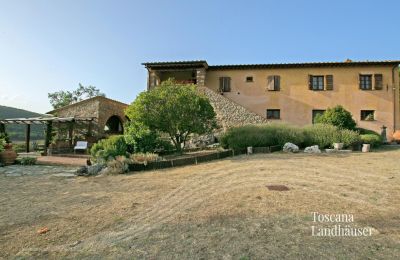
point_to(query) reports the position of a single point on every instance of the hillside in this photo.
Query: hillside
(17, 132)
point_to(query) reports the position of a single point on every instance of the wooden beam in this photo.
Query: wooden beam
(71, 133)
(49, 129)
(28, 137)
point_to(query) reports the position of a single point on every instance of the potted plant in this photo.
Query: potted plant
(7, 154)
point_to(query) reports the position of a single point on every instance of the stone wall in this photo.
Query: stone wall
(100, 108)
(229, 113)
(108, 108)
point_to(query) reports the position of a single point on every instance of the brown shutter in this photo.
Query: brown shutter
(310, 82)
(359, 81)
(277, 83)
(329, 82)
(221, 84)
(228, 84)
(270, 83)
(378, 81)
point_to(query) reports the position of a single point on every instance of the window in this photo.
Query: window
(367, 115)
(365, 82)
(315, 113)
(274, 83)
(224, 84)
(249, 79)
(273, 113)
(316, 82)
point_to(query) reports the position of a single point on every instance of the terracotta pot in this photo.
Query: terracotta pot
(7, 157)
(396, 136)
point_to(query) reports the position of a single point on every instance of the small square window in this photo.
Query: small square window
(315, 113)
(273, 114)
(249, 79)
(367, 115)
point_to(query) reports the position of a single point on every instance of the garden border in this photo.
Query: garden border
(133, 167)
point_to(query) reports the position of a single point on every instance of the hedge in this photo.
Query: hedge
(273, 135)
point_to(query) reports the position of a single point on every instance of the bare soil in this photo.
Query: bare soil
(217, 210)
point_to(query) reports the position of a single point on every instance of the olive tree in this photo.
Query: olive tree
(175, 109)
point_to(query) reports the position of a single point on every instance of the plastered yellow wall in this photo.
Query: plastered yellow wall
(296, 101)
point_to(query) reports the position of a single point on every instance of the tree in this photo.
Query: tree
(337, 116)
(63, 98)
(175, 109)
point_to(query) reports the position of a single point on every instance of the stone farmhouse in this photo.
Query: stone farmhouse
(292, 92)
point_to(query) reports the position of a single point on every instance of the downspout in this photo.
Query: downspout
(394, 87)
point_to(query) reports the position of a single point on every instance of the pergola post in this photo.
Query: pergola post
(71, 133)
(28, 137)
(2, 128)
(89, 129)
(49, 129)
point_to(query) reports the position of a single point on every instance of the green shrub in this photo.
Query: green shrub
(110, 147)
(349, 138)
(322, 135)
(364, 131)
(261, 136)
(2, 144)
(337, 116)
(325, 135)
(373, 139)
(27, 161)
(143, 140)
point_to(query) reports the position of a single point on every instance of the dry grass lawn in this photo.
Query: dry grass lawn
(217, 210)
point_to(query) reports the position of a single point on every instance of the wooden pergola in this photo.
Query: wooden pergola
(48, 121)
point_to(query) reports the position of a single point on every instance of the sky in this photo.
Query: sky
(52, 45)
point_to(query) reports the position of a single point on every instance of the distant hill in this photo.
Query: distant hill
(17, 132)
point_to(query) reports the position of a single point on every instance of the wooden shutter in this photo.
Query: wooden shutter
(270, 83)
(277, 83)
(227, 84)
(359, 81)
(329, 82)
(310, 82)
(221, 84)
(378, 81)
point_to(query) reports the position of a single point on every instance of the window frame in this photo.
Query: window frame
(363, 82)
(226, 84)
(321, 79)
(273, 111)
(314, 114)
(275, 81)
(249, 79)
(364, 114)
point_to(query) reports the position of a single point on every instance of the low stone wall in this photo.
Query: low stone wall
(229, 113)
